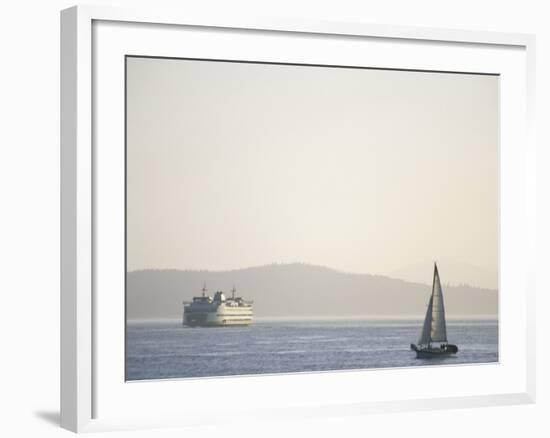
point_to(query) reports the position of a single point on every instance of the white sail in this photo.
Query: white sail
(439, 328)
(425, 336)
(434, 329)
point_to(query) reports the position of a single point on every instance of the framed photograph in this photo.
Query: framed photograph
(252, 208)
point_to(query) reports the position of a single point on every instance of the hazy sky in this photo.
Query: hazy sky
(233, 165)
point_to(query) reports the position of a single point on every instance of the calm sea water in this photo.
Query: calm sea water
(167, 350)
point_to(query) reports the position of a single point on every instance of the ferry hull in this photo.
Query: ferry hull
(244, 324)
(215, 320)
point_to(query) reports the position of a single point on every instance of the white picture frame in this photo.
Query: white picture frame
(85, 374)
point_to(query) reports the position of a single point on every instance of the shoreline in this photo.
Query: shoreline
(359, 318)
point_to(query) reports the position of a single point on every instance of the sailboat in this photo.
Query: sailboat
(434, 330)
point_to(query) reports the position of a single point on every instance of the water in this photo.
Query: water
(168, 350)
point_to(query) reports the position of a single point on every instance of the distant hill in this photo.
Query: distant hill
(293, 290)
(454, 272)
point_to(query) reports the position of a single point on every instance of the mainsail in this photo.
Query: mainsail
(425, 337)
(434, 329)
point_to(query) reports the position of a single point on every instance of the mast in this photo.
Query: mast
(204, 290)
(233, 292)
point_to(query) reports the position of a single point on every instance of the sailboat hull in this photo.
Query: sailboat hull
(428, 354)
(434, 352)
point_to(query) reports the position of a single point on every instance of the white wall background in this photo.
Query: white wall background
(29, 213)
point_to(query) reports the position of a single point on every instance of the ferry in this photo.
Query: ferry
(217, 311)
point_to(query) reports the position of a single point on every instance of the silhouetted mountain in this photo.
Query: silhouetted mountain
(297, 289)
(454, 272)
